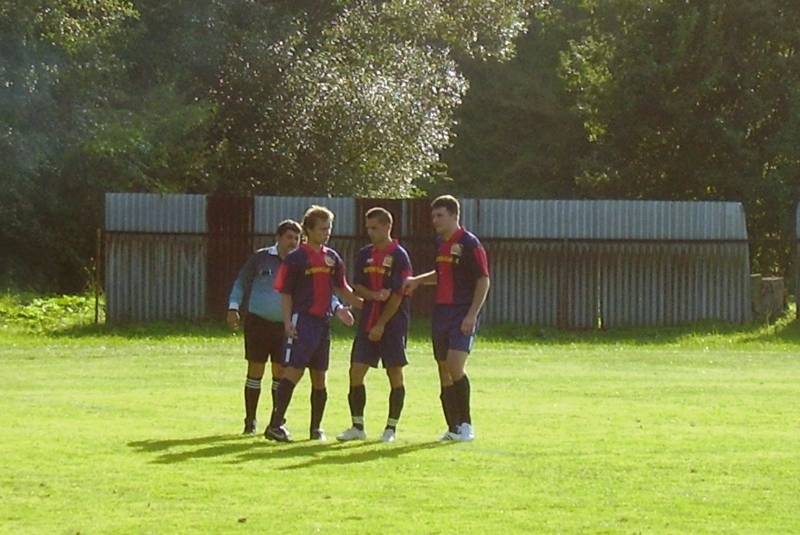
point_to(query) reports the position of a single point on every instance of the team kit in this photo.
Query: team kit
(286, 295)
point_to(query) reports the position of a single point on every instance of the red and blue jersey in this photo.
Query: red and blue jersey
(378, 269)
(310, 277)
(460, 262)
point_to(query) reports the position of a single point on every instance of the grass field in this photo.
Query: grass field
(135, 430)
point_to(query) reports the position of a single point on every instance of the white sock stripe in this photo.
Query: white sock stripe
(392, 421)
(358, 420)
(255, 384)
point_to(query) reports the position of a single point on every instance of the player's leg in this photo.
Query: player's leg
(319, 398)
(276, 369)
(397, 396)
(252, 393)
(357, 400)
(283, 396)
(456, 367)
(458, 350)
(276, 355)
(447, 395)
(318, 366)
(256, 352)
(393, 351)
(296, 356)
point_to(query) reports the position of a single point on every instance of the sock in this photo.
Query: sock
(275, 382)
(252, 391)
(318, 400)
(462, 391)
(283, 396)
(357, 399)
(450, 407)
(396, 399)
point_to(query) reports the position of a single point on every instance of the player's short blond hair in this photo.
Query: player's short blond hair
(315, 214)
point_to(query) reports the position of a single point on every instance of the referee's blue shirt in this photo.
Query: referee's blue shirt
(264, 300)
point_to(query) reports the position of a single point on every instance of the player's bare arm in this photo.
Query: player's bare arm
(347, 295)
(478, 298)
(389, 310)
(412, 283)
(289, 328)
(370, 295)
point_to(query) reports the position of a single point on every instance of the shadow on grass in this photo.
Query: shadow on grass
(196, 447)
(350, 453)
(244, 449)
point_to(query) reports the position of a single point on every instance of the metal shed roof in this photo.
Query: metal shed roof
(626, 220)
(153, 212)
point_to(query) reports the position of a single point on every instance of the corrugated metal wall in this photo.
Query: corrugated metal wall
(155, 257)
(571, 264)
(585, 264)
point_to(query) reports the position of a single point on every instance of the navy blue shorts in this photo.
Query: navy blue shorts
(263, 340)
(390, 350)
(311, 348)
(446, 330)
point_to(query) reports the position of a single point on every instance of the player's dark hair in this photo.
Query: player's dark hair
(286, 225)
(383, 215)
(448, 202)
(316, 213)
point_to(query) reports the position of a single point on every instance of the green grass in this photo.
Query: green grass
(134, 430)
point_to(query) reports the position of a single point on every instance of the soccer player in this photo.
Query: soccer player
(462, 283)
(381, 268)
(307, 280)
(254, 299)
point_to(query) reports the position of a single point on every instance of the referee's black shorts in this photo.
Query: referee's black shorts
(262, 339)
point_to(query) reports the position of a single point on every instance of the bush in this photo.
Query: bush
(43, 314)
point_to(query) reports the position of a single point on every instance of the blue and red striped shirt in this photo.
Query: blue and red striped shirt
(376, 270)
(310, 277)
(460, 262)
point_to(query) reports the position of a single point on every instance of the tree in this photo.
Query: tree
(48, 49)
(518, 134)
(692, 100)
(357, 100)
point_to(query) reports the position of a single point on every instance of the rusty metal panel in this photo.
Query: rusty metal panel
(154, 277)
(153, 212)
(230, 244)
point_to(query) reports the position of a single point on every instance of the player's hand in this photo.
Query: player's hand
(345, 316)
(409, 285)
(289, 330)
(233, 319)
(376, 333)
(383, 294)
(468, 325)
